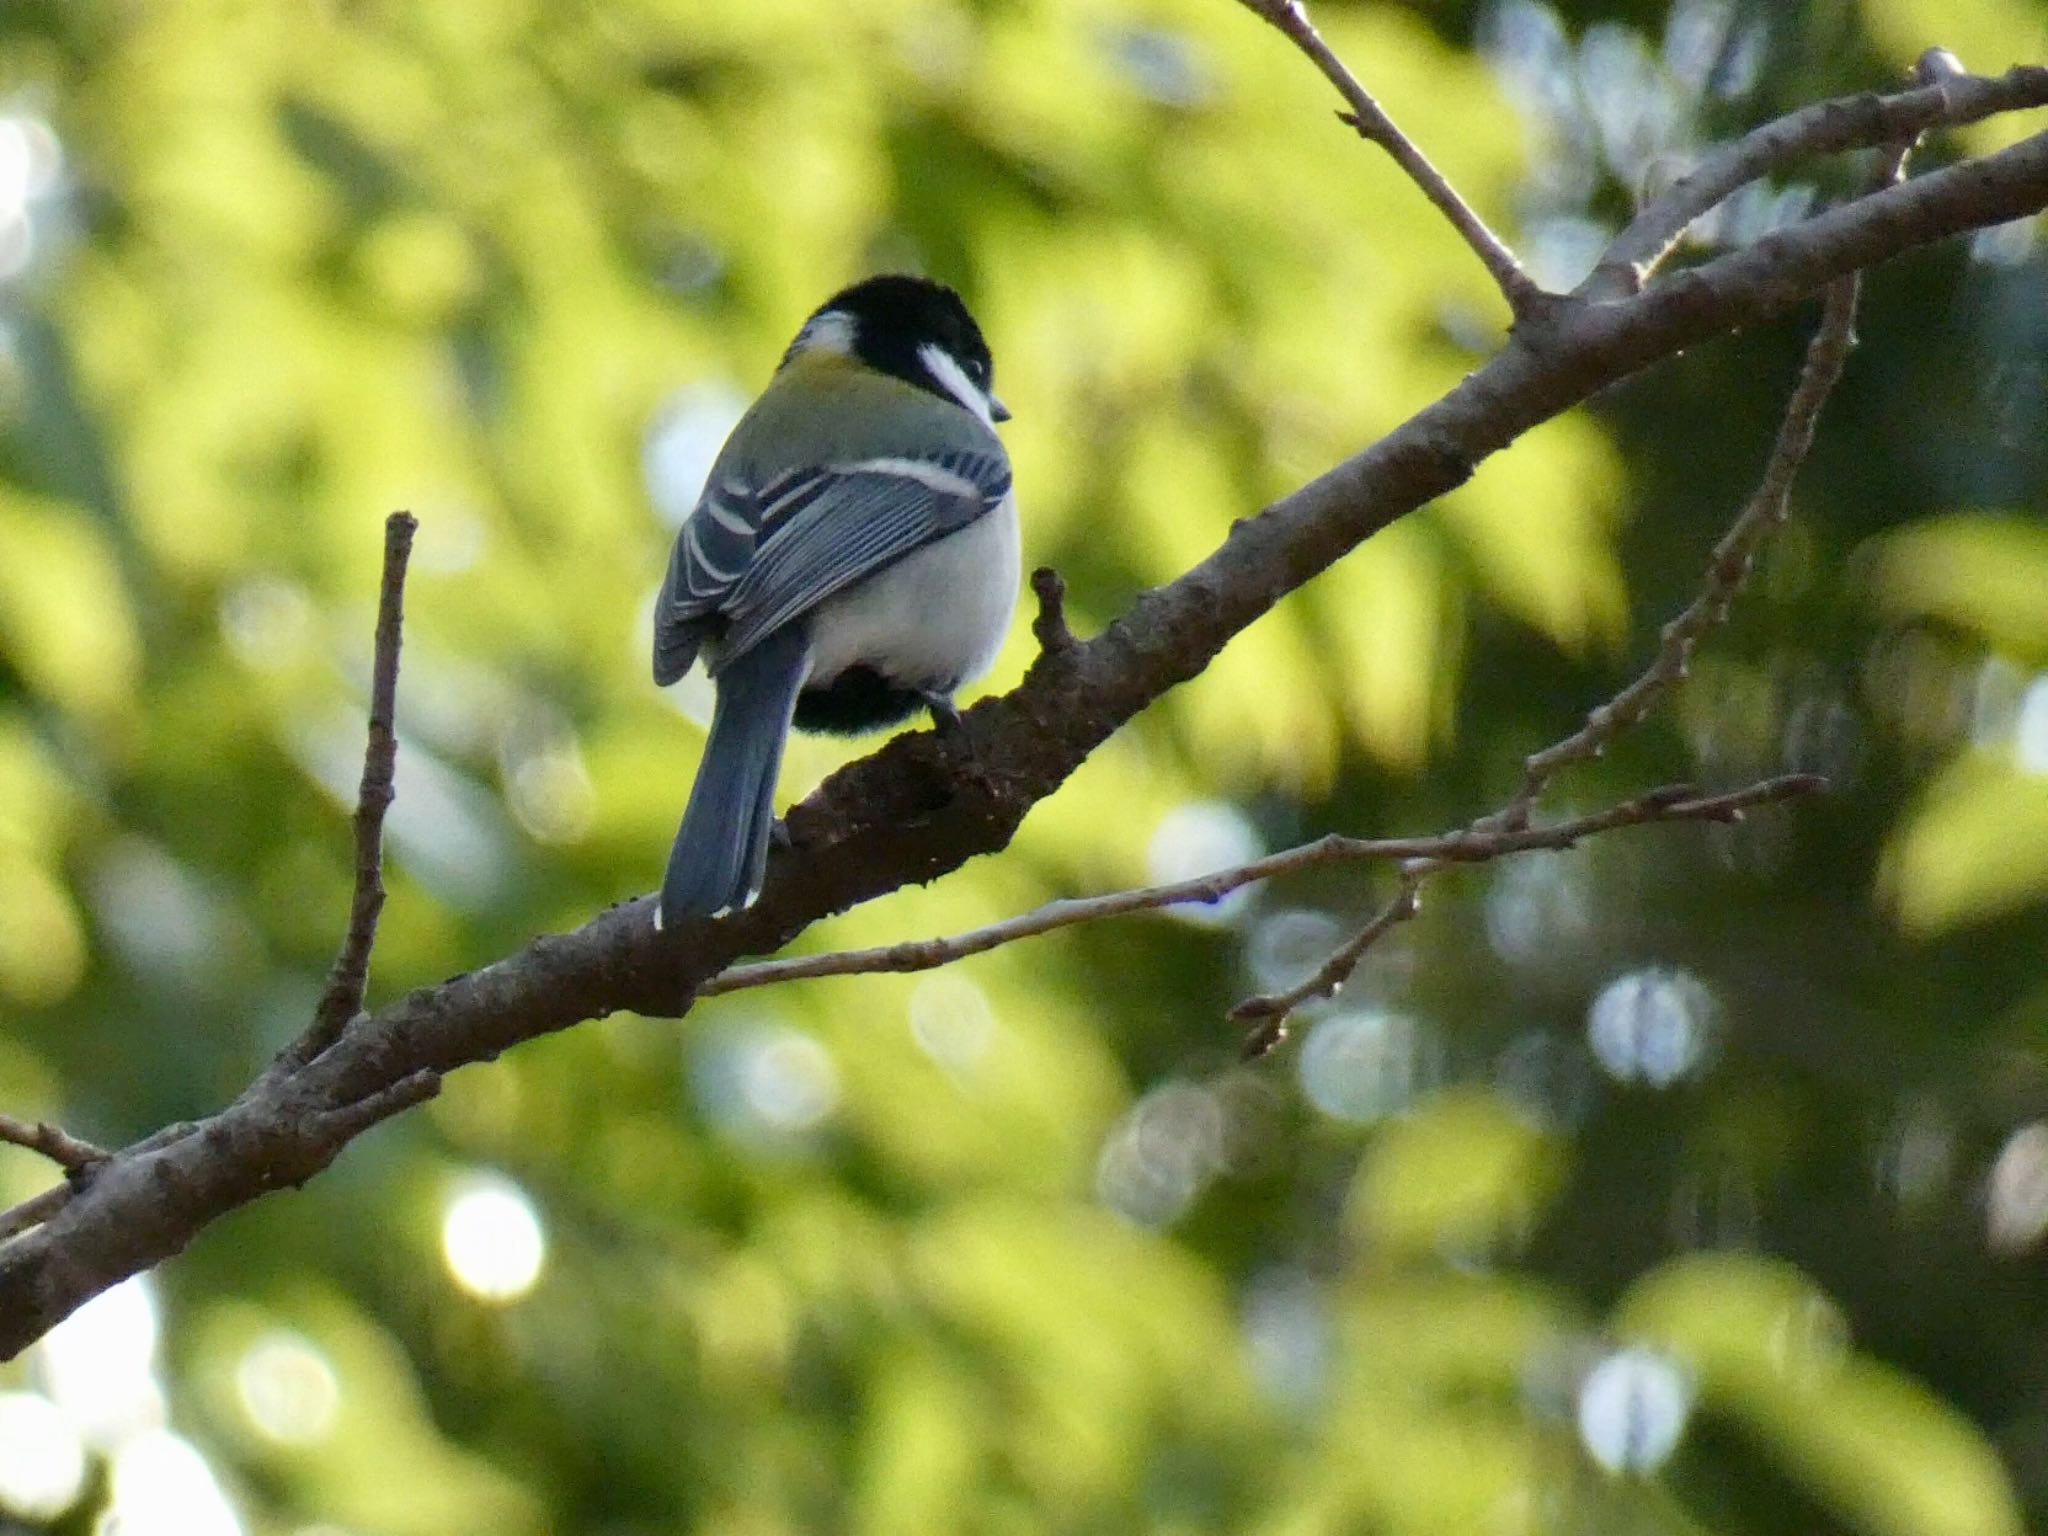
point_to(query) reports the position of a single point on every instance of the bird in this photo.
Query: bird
(853, 560)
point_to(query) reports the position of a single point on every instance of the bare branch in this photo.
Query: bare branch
(1734, 557)
(1848, 122)
(1291, 19)
(1468, 845)
(1674, 802)
(76, 1156)
(1049, 629)
(1271, 1008)
(1728, 571)
(343, 998)
(924, 803)
(58, 1145)
(347, 1123)
(33, 1211)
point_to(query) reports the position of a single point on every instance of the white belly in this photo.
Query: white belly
(933, 620)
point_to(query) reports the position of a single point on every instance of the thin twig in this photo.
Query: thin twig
(1678, 802)
(1290, 17)
(34, 1211)
(1274, 1007)
(62, 1148)
(346, 982)
(352, 1120)
(1846, 123)
(1672, 803)
(76, 1156)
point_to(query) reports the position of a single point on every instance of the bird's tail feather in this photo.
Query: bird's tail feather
(721, 850)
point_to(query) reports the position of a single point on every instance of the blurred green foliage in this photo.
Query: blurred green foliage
(1688, 1182)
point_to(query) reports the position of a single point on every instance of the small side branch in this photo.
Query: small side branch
(346, 982)
(76, 1156)
(68, 1152)
(34, 1211)
(1469, 845)
(1290, 17)
(1049, 628)
(1484, 840)
(1944, 97)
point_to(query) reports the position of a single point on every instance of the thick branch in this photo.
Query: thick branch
(922, 806)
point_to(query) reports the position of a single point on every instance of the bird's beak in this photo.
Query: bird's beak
(997, 410)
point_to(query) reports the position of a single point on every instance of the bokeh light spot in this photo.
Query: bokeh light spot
(1162, 1154)
(1197, 839)
(2016, 1202)
(491, 1239)
(287, 1389)
(764, 1083)
(1287, 947)
(951, 1021)
(163, 1487)
(1364, 1066)
(42, 1459)
(1652, 1026)
(267, 622)
(2030, 728)
(98, 1365)
(1289, 1336)
(683, 443)
(1633, 1408)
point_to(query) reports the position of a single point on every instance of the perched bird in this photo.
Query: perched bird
(853, 559)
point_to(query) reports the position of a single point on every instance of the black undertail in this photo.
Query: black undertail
(857, 701)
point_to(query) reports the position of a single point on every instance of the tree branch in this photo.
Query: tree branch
(923, 805)
(1727, 572)
(342, 999)
(1944, 99)
(1290, 17)
(59, 1146)
(1469, 845)
(77, 1157)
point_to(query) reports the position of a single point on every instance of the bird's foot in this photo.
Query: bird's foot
(951, 729)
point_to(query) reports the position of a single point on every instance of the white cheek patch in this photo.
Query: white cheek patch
(944, 367)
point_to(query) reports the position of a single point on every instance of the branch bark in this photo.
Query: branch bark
(346, 982)
(923, 805)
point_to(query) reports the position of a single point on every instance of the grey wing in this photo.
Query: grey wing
(713, 550)
(828, 528)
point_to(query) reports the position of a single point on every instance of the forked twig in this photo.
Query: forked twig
(1943, 96)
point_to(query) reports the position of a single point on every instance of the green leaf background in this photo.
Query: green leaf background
(1015, 1247)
